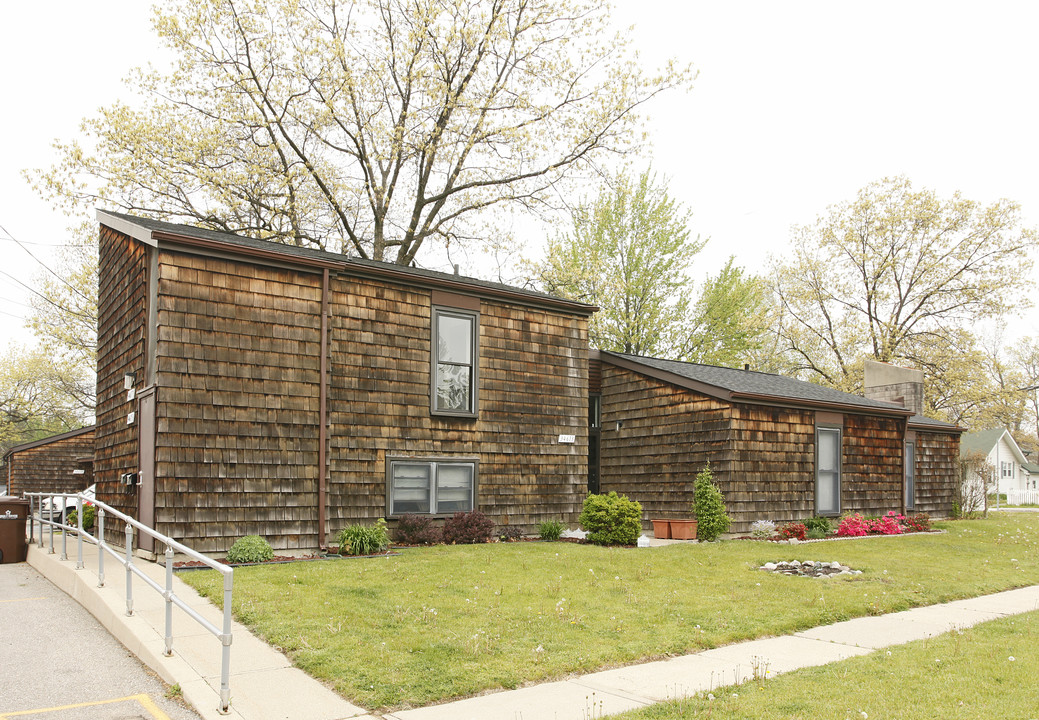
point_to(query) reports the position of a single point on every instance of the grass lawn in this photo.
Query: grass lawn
(445, 622)
(987, 671)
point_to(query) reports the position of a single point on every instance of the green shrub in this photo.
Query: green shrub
(468, 528)
(611, 519)
(89, 515)
(711, 520)
(817, 534)
(550, 530)
(820, 524)
(364, 539)
(250, 549)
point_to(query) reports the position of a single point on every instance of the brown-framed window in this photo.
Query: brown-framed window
(433, 486)
(910, 485)
(455, 352)
(827, 470)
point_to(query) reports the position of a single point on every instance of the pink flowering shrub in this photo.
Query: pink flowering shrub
(853, 526)
(890, 524)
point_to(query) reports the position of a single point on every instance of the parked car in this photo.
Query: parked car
(64, 505)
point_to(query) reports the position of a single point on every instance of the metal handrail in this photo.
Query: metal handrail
(126, 559)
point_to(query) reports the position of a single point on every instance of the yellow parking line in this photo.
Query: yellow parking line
(145, 702)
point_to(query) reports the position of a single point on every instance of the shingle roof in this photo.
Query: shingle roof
(751, 384)
(984, 440)
(357, 264)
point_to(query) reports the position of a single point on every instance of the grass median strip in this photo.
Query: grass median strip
(445, 622)
(987, 671)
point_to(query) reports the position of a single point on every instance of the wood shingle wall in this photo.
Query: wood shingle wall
(937, 472)
(872, 466)
(238, 358)
(666, 435)
(532, 388)
(774, 473)
(122, 320)
(51, 465)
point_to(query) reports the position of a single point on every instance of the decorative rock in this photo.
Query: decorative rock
(809, 568)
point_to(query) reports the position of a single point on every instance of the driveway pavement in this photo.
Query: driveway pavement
(58, 663)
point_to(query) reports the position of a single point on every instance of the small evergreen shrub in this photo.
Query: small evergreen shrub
(250, 549)
(364, 539)
(467, 528)
(793, 531)
(762, 529)
(509, 533)
(611, 519)
(550, 530)
(820, 524)
(418, 530)
(709, 506)
(817, 534)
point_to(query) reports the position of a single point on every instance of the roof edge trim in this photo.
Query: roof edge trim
(126, 228)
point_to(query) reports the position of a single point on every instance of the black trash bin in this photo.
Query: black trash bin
(13, 514)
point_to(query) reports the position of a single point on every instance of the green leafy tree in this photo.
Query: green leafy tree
(381, 124)
(629, 252)
(897, 275)
(36, 399)
(730, 319)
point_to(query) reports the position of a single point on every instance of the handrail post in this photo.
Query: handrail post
(225, 656)
(169, 601)
(129, 572)
(79, 533)
(64, 530)
(50, 526)
(100, 547)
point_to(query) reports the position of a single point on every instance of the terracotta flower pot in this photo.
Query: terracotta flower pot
(662, 529)
(683, 529)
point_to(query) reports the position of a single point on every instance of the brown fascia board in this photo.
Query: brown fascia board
(48, 440)
(926, 427)
(754, 398)
(344, 266)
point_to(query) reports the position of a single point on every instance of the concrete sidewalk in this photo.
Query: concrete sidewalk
(264, 685)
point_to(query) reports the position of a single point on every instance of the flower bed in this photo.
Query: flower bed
(891, 524)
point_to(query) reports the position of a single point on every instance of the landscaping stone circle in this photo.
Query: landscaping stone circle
(809, 568)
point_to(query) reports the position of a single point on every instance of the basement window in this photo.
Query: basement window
(430, 487)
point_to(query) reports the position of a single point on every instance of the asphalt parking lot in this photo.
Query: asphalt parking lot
(58, 663)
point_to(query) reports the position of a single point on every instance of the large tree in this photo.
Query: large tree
(629, 252)
(373, 126)
(897, 275)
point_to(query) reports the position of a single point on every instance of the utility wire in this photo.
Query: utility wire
(46, 267)
(44, 297)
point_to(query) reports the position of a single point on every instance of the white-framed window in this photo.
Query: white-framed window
(455, 350)
(827, 471)
(1007, 469)
(433, 486)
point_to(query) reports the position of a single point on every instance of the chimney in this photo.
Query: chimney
(890, 383)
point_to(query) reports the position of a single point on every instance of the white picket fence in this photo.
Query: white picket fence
(1022, 497)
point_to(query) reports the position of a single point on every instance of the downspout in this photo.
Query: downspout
(322, 460)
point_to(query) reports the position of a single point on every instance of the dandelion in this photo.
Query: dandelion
(1011, 658)
(735, 695)
(710, 696)
(863, 715)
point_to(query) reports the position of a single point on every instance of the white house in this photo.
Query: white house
(1005, 472)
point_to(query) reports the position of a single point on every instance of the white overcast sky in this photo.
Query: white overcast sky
(797, 106)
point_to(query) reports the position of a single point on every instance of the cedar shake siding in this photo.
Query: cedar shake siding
(774, 473)
(532, 388)
(871, 464)
(236, 362)
(662, 421)
(122, 319)
(50, 465)
(937, 472)
(666, 435)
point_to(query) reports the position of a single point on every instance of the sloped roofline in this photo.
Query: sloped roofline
(1018, 455)
(48, 440)
(156, 232)
(862, 406)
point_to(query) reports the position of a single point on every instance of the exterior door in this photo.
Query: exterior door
(146, 467)
(910, 483)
